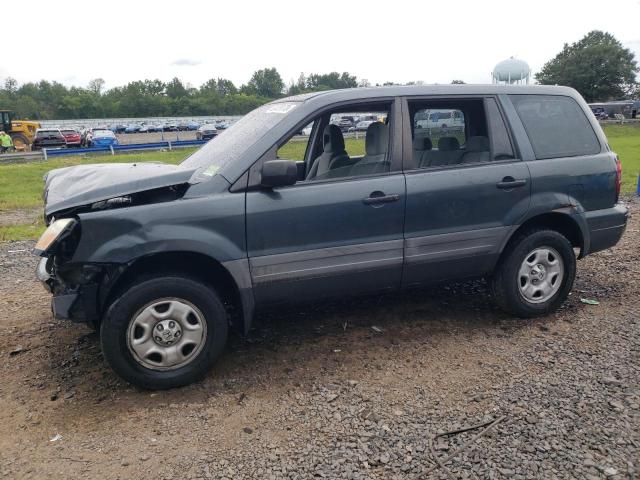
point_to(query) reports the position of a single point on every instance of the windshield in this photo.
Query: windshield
(103, 133)
(229, 146)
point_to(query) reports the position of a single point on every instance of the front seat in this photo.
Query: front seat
(376, 146)
(333, 151)
(421, 145)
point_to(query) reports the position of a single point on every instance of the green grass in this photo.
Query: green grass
(625, 141)
(21, 184)
(294, 149)
(24, 231)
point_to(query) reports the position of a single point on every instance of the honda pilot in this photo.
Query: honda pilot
(165, 259)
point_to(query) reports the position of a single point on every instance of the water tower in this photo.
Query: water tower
(511, 71)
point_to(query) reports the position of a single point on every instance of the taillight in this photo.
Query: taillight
(618, 177)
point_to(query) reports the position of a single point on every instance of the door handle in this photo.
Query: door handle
(508, 183)
(378, 198)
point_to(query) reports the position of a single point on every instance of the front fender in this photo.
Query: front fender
(213, 226)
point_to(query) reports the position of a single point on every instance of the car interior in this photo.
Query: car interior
(327, 155)
(444, 133)
(453, 133)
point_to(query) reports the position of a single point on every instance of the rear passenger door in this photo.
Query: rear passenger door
(466, 187)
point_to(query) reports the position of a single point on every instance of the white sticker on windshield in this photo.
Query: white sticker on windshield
(211, 170)
(281, 108)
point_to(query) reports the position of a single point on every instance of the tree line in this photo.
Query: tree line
(598, 66)
(150, 98)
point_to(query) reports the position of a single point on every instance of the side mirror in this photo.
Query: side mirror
(278, 173)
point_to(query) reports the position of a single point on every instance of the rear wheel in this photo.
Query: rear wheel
(536, 273)
(164, 333)
(20, 142)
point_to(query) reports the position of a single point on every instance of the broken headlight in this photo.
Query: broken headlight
(55, 232)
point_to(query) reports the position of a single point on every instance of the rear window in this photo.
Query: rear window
(556, 126)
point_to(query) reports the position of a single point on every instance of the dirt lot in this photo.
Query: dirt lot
(321, 393)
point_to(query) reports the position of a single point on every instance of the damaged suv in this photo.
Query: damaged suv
(165, 259)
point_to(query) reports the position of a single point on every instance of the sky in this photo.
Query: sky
(75, 41)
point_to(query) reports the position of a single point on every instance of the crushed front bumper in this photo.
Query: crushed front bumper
(75, 302)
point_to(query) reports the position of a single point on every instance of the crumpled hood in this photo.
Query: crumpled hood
(84, 184)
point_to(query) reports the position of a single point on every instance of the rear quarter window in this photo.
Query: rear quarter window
(556, 126)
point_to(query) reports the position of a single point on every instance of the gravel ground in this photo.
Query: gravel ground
(355, 390)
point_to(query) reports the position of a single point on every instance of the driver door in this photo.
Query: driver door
(331, 237)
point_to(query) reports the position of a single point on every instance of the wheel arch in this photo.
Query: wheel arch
(562, 223)
(231, 280)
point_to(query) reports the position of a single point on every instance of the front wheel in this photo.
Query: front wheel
(535, 274)
(165, 332)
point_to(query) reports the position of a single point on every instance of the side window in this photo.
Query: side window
(350, 143)
(296, 147)
(556, 126)
(500, 142)
(449, 132)
(435, 123)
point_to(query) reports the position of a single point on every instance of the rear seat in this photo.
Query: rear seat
(476, 149)
(448, 153)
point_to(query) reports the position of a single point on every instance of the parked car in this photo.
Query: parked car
(72, 137)
(87, 135)
(48, 138)
(222, 125)
(599, 113)
(362, 126)
(192, 126)
(119, 128)
(164, 259)
(170, 127)
(103, 138)
(206, 132)
(345, 123)
(183, 126)
(133, 128)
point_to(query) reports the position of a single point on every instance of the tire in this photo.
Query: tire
(19, 139)
(125, 325)
(527, 290)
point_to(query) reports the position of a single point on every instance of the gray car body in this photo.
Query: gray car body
(316, 239)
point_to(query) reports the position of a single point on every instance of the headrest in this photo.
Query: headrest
(332, 139)
(477, 144)
(422, 143)
(446, 144)
(377, 139)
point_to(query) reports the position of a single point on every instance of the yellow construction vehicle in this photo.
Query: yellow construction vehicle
(21, 131)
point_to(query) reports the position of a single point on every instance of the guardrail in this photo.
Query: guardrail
(46, 153)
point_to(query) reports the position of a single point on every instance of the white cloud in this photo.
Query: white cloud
(186, 62)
